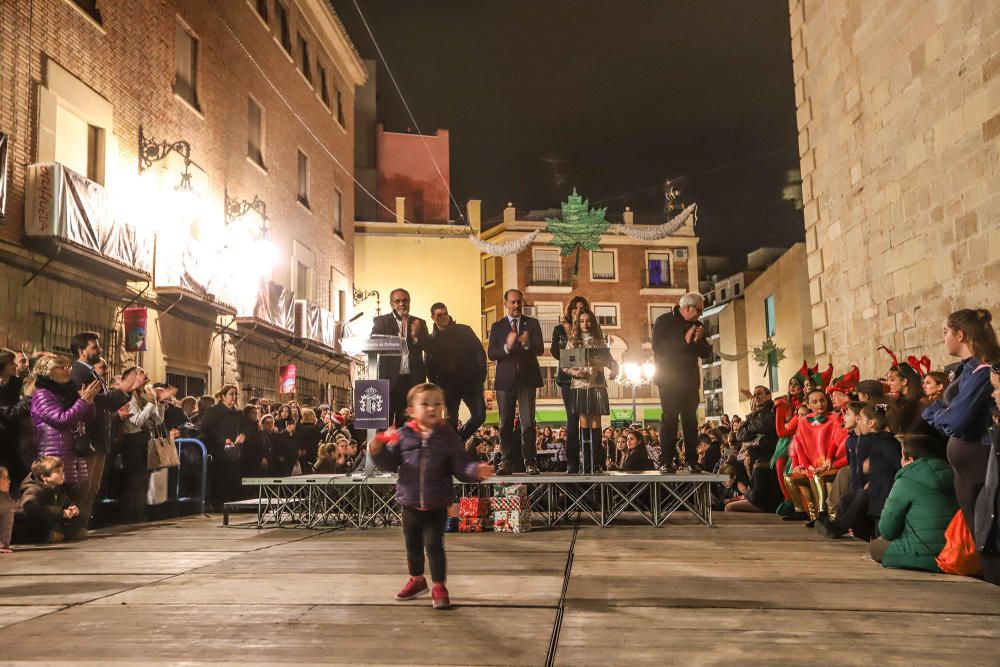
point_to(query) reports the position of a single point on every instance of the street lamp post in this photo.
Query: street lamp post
(636, 375)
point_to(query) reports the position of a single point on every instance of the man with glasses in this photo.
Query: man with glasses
(406, 371)
(678, 342)
(760, 427)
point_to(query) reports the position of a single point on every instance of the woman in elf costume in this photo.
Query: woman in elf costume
(786, 418)
(841, 393)
(817, 452)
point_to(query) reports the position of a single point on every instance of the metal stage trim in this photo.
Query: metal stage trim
(319, 501)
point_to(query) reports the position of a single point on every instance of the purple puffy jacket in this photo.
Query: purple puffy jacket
(54, 427)
(426, 467)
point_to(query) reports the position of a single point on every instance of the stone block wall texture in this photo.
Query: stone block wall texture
(898, 107)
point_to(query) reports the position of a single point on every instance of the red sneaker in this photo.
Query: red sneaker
(440, 597)
(412, 589)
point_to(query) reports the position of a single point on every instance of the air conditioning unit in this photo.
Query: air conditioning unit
(680, 253)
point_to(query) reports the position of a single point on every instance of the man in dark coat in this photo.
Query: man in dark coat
(678, 342)
(515, 344)
(456, 362)
(86, 349)
(760, 424)
(402, 372)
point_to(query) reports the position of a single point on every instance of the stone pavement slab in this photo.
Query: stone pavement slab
(103, 562)
(10, 614)
(65, 589)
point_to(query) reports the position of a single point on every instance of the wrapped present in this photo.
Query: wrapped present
(453, 510)
(510, 503)
(473, 507)
(469, 524)
(510, 490)
(451, 524)
(511, 522)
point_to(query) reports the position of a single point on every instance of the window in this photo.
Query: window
(79, 145)
(654, 313)
(736, 289)
(772, 357)
(303, 194)
(304, 63)
(324, 90)
(602, 265)
(187, 385)
(283, 32)
(186, 61)
(340, 107)
(489, 271)
(338, 213)
(89, 7)
(549, 316)
(255, 132)
(546, 267)
(262, 10)
(342, 305)
(302, 281)
(657, 269)
(722, 294)
(607, 314)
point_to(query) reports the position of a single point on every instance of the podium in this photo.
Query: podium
(375, 347)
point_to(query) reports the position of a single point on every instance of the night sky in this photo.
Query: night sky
(628, 93)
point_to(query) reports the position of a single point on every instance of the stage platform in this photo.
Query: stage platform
(321, 501)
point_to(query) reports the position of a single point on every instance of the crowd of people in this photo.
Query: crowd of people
(888, 459)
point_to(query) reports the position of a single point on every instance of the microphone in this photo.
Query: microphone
(356, 317)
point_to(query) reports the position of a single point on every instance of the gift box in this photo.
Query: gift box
(510, 504)
(511, 522)
(451, 524)
(468, 524)
(510, 490)
(473, 507)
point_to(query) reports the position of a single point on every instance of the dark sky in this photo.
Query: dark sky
(627, 92)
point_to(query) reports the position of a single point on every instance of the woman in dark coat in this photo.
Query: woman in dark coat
(636, 457)
(307, 436)
(220, 426)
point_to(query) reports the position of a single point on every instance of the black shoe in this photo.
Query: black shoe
(796, 516)
(665, 470)
(694, 469)
(810, 523)
(828, 528)
(503, 470)
(532, 469)
(572, 471)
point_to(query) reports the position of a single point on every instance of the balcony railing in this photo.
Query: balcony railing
(548, 272)
(662, 280)
(548, 325)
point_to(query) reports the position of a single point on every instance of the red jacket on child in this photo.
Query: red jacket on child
(819, 440)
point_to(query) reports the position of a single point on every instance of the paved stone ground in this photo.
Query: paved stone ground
(752, 590)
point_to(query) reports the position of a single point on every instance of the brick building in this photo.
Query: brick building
(407, 166)
(629, 283)
(246, 212)
(898, 109)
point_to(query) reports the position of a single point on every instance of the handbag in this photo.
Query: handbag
(156, 492)
(959, 553)
(161, 452)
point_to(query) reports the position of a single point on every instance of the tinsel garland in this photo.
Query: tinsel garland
(507, 247)
(644, 233)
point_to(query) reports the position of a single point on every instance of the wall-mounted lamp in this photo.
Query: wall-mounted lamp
(361, 295)
(151, 150)
(237, 208)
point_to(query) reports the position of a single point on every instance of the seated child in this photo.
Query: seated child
(426, 453)
(883, 456)
(46, 512)
(7, 508)
(762, 493)
(851, 508)
(919, 508)
(817, 453)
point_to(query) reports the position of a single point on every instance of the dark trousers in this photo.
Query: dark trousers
(970, 459)
(572, 429)
(472, 396)
(424, 530)
(135, 447)
(852, 514)
(679, 403)
(523, 398)
(397, 399)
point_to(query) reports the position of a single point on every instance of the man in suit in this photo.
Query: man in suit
(456, 362)
(678, 341)
(86, 349)
(515, 344)
(406, 371)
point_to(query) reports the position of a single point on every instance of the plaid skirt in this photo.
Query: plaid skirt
(591, 401)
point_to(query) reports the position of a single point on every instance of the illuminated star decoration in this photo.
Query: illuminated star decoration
(581, 227)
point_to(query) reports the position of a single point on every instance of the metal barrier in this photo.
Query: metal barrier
(200, 500)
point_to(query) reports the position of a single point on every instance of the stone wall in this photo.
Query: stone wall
(898, 107)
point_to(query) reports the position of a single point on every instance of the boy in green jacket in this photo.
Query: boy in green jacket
(920, 506)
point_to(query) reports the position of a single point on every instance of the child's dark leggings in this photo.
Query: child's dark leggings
(424, 529)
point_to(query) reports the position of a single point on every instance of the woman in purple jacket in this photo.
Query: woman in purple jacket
(59, 408)
(426, 452)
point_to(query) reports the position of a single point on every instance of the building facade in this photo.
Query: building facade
(898, 109)
(192, 159)
(628, 282)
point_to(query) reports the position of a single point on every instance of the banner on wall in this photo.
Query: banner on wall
(135, 329)
(287, 375)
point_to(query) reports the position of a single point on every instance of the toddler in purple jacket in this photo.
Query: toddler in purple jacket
(425, 453)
